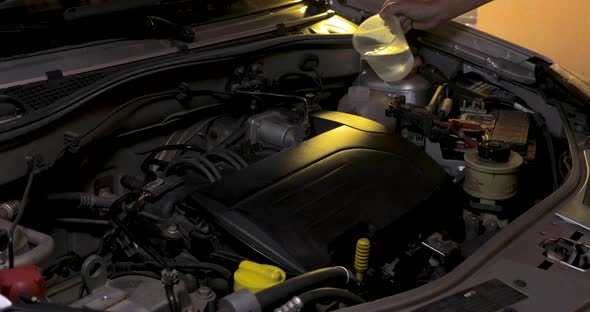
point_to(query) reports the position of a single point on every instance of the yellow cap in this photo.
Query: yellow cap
(256, 277)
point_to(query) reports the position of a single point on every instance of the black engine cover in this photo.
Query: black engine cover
(292, 206)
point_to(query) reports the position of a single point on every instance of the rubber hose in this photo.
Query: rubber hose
(192, 163)
(237, 157)
(211, 166)
(340, 295)
(167, 204)
(131, 183)
(44, 246)
(232, 161)
(274, 296)
(171, 297)
(86, 200)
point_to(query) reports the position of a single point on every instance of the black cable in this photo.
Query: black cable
(116, 208)
(134, 273)
(192, 266)
(193, 163)
(19, 214)
(169, 278)
(172, 302)
(122, 228)
(171, 119)
(148, 249)
(271, 297)
(83, 290)
(336, 294)
(171, 297)
(139, 100)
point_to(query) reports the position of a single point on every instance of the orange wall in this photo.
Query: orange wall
(559, 30)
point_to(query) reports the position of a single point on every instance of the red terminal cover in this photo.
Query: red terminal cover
(21, 281)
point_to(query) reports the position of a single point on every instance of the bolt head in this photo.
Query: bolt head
(204, 290)
(520, 283)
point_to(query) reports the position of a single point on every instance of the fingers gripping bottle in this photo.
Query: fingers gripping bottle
(382, 44)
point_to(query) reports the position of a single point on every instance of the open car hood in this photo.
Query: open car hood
(277, 17)
(504, 59)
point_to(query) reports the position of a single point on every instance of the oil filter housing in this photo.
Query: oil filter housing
(491, 171)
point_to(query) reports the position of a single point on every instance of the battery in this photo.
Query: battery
(508, 126)
(512, 128)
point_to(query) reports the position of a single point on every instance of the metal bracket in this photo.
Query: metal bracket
(94, 273)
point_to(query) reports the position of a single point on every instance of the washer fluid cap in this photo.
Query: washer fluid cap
(494, 150)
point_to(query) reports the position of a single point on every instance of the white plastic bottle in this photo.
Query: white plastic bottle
(383, 45)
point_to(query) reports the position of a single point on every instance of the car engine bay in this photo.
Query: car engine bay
(187, 186)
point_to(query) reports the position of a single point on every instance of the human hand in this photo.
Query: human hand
(426, 14)
(418, 14)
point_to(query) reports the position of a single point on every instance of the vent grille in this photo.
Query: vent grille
(42, 94)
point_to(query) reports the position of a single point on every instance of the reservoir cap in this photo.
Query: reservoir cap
(256, 277)
(494, 150)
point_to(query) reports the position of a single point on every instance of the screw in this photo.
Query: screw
(105, 298)
(204, 291)
(470, 293)
(172, 229)
(520, 283)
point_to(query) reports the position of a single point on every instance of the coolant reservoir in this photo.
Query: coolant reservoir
(492, 171)
(383, 45)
